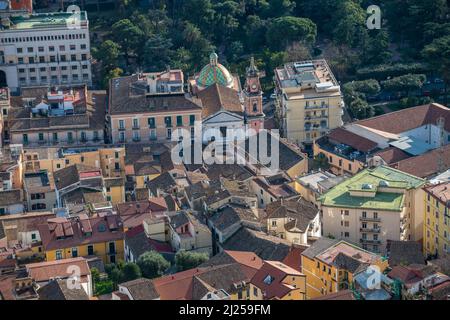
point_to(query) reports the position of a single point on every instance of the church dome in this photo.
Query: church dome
(213, 73)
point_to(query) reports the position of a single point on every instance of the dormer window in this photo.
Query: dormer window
(269, 279)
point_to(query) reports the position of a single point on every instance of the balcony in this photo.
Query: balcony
(136, 139)
(316, 117)
(371, 219)
(368, 241)
(322, 106)
(370, 230)
(121, 129)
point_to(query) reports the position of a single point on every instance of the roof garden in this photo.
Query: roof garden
(372, 180)
(45, 20)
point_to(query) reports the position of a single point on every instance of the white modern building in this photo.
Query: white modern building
(45, 49)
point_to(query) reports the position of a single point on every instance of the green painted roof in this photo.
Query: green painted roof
(44, 20)
(213, 73)
(370, 180)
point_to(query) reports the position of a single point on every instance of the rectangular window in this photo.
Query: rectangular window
(168, 121)
(192, 119)
(58, 255)
(122, 124)
(74, 252)
(135, 123)
(179, 121)
(151, 122)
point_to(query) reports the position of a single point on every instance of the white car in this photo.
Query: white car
(273, 96)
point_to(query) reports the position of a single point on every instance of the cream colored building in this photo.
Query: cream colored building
(374, 206)
(309, 100)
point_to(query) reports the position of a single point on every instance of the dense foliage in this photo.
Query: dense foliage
(152, 264)
(414, 37)
(188, 259)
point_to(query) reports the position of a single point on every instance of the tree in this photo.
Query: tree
(361, 109)
(130, 271)
(285, 30)
(321, 162)
(376, 50)
(108, 53)
(157, 52)
(350, 27)
(438, 55)
(128, 35)
(368, 87)
(404, 83)
(187, 259)
(152, 264)
(114, 73)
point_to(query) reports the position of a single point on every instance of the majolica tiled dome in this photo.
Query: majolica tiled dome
(214, 72)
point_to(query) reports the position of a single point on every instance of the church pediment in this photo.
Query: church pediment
(222, 117)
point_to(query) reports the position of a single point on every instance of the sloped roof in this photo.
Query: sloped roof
(218, 97)
(351, 139)
(141, 289)
(407, 119)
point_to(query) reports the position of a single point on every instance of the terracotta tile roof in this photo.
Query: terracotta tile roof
(274, 287)
(193, 284)
(294, 257)
(70, 175)
(265, 246)
(141, 289)
(61, 233)
(10, 197)
(392, 154)
(58, 290)
(340, 135)
(217, 97)
(407, 119)
(153, 104)
(340, 295)
(44, 271)
(404, 253)
(427, 164)
(301, 211)
(154, 204)
(440, 191)
(405, 275)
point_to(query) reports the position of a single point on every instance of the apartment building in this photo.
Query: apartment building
(5, 105)
(146, 110)
(81, 236)
(374, 206)
(436, 240)
(39, 191)
(64, 116)
(331, 266)
(111, 160)
(309, 100)
(414, 140)
(45, 48)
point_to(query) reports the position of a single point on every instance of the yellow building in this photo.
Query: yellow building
(330, 266)
(344, 151)
(437, 220)
(115, 190)
(64, 238)
(110, 160)
(277, 281)
(309, 100)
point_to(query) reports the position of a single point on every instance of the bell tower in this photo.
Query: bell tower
(253, 98)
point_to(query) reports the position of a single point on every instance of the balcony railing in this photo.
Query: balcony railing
(321, 106)
(370, 230)
(370, 241)
(370, 219)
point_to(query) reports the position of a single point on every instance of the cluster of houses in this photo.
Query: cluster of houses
(89, 179)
